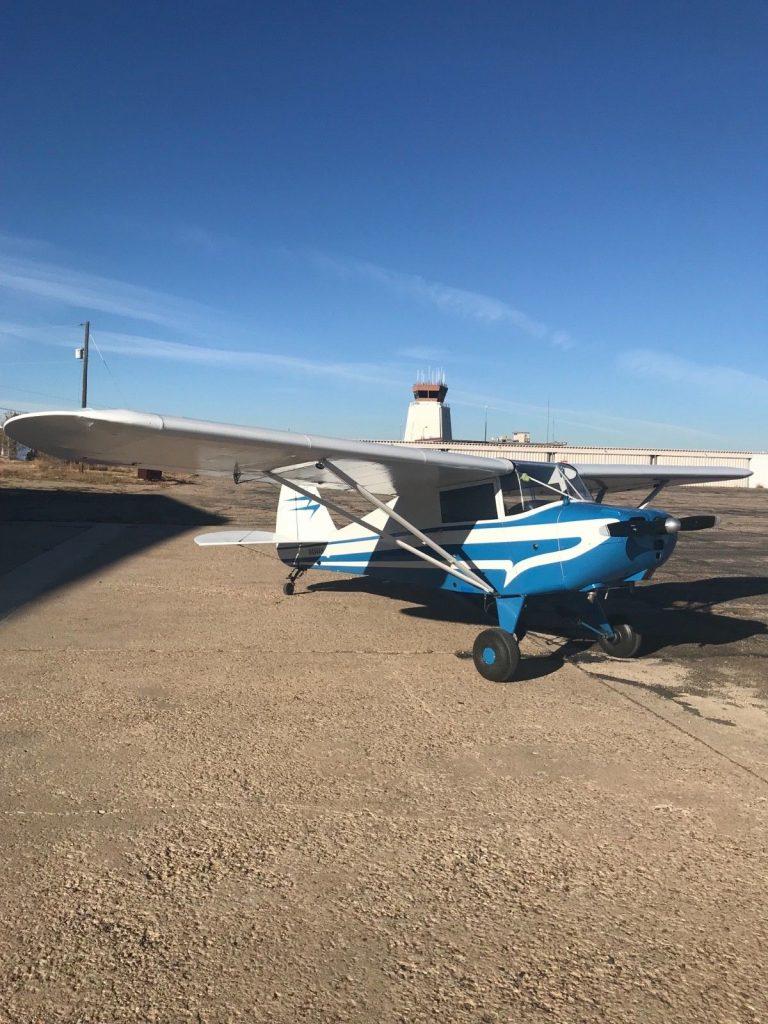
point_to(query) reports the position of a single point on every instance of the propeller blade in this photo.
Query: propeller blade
(688, 523)
(639, 526)
(629, 527)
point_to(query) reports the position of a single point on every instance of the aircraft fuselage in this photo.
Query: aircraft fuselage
(560, 546)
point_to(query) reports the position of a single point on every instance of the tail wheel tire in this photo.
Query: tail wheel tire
(288, 588)
(496, 655)
(625, 643)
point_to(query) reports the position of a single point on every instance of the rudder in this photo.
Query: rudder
(301, 520)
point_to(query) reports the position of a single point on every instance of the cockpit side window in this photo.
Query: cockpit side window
(468, 504)
(512, 494)
(521, 495)
(532, 484)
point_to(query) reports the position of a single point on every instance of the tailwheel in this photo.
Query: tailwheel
(290, 584)
(496, 655)
(625, 643)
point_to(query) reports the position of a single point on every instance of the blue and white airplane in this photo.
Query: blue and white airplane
(500, 529)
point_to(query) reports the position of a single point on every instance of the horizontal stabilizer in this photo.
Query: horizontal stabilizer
(218, 537)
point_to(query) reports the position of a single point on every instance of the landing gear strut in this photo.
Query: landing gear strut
(496, 652)
(290, 584)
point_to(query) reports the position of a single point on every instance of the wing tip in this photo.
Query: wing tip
(49, 417)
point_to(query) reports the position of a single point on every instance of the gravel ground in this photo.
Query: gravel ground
(223, 804)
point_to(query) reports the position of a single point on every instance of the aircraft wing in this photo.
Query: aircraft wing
(624, 477)
(122, 437)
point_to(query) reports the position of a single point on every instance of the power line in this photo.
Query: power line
(109, 371)
(29, 391)
(33, 362)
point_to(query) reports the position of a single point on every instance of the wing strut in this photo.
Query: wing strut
(658, 485)
(450, 565)
(365, 493)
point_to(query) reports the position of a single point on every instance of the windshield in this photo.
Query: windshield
(533, 484)
(573, 482)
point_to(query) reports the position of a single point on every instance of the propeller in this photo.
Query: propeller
(638, 526)
(697, 523)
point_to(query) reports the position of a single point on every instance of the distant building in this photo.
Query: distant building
(429, 423)
(516, 437)
(429, 418)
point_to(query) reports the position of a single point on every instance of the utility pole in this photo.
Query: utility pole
(485, 427)
(86, 339)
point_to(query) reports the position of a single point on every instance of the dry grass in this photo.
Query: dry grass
(48, 470)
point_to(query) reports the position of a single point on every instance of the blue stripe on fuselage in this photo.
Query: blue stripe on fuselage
(609, 562)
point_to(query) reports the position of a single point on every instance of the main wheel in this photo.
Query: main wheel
(496, 655)
(288, 588)
(626, 642)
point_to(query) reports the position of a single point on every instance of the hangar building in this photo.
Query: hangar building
(429, 424)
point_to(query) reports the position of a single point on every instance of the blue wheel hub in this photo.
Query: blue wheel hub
(489, 655)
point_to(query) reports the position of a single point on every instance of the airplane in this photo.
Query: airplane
(504, 530)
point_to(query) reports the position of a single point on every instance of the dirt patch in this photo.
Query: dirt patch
(224, 804)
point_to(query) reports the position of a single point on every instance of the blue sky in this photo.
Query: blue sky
(277, 213)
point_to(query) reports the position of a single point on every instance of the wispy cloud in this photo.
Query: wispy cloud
(623, 428)
(198, 237)
(54, 283)
(145, 347)
(51, 285)
(186, 235)
(17, 400)
(471, 305)
(423, 352)
(22, 245)
(148, 347)
(713, 378)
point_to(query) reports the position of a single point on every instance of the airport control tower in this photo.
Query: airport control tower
(429, 419)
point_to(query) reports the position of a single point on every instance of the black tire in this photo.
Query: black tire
(496, 655)
(626, 642)
(288, 588)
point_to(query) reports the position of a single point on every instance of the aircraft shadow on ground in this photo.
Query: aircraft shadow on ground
(682, 613)
(49, 539)
(668, 614)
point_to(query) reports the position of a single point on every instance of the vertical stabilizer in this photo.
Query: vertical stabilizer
(300, 520)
